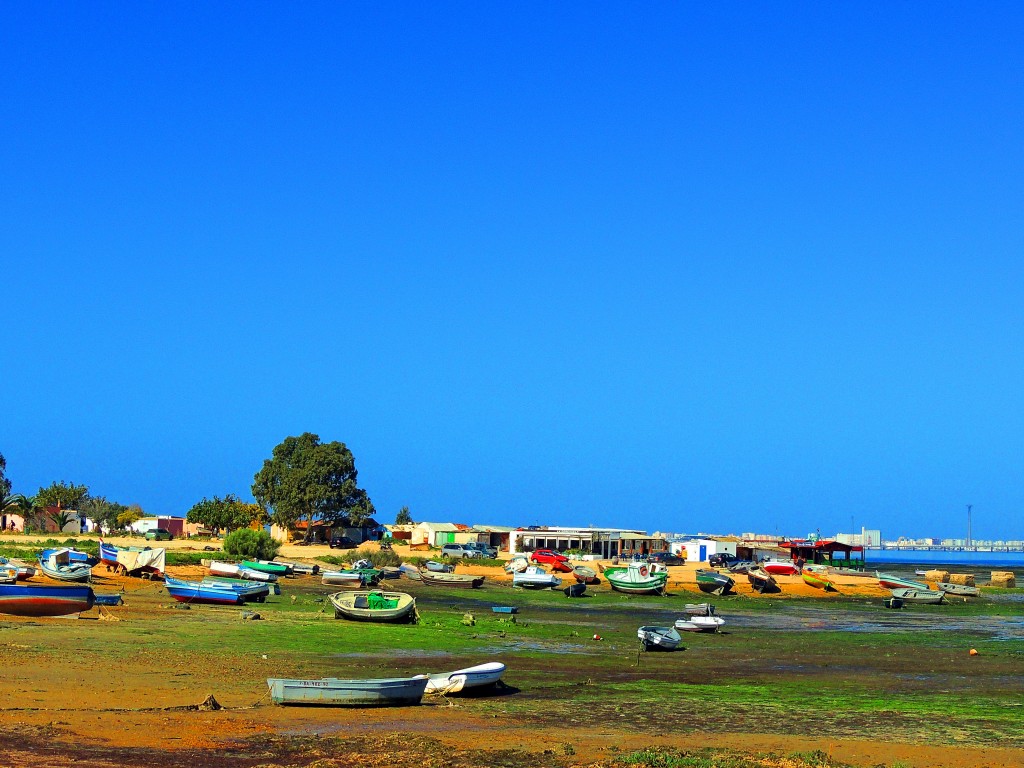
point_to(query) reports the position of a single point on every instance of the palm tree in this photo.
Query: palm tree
(10, 503)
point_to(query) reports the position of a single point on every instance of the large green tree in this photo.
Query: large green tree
(308, 480)
(227, 514)
(63, 496)
(403, 517)
(10, 503)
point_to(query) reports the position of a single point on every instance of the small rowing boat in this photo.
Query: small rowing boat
(781, 567)
(535, 577)
(890, 581)
(714, 582)
(457, 580)
(919, 596)
(334, 692)
(638, 578)
(45, 599)
(471, 677)
(961, 590)
(373, 606)
(585, 574)
(817, 576)
(761, 580)
(659, 638)
(59, 565)
(700, 624)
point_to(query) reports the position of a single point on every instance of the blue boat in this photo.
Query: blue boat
(45, 600)
(57, 564)
(74, 555)
(191, 592)
(504, 609)
(114, 599)
(250, 591)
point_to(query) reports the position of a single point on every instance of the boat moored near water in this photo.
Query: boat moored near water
(45, 599)
(919, 596)
(374, 606)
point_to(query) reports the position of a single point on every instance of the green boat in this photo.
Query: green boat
(638, 578)
(267, 567)
(714, 582)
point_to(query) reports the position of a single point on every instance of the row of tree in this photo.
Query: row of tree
(58, 501)
(304, 480)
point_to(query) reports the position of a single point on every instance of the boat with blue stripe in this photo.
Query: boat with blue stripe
(45, 599)
(193, 592)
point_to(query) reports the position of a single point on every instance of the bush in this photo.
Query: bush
(250, 544)
(379, 558)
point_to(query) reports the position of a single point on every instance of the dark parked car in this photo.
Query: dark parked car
(722, 560)
(342, 542)
(667, 558)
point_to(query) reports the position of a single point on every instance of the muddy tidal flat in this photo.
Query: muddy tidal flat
(791, 681)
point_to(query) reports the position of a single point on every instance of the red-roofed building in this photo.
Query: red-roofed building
(833, 553)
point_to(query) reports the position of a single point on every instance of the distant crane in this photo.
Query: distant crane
(969, 507)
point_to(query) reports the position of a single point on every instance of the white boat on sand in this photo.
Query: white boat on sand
(700, 624)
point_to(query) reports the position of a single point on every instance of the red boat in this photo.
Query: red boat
(561, 566)
(781, 567)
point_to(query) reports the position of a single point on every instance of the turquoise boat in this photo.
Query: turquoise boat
(266, 567)
(638, 578)
(334, 692)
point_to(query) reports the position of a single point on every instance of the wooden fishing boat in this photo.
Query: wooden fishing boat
(335, 692)
(575, 590)
(585, 574)
(659, 638)
(388, 572)
(714, 582)
(700, 623)
(919, 596)
(817, 576)
(890, 581)
(457, 580)
(535, 577)
(266, 566)
(761, 580)
(373, 606)
(471, 677)
(781, 567)
(19, 570)
(58, 565)
(45, 599)
(194, 592)
(561, 566)
(8, 574)
(961, 590)
(638, 578)
(435, 567)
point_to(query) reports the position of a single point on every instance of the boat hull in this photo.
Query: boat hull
(39, 601)
(889, 581)
(357, 606)
(264, 567)
(961, 590)
(818, 580)
(919, 596)
(333, 692)
(456, 580)
(780, 568)
(192, 592)
(472, 677)
(714, 583)
(659, 638)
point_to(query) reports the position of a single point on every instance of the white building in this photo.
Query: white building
(699, 550)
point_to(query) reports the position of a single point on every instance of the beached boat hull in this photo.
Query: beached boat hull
(889, 581)
(55, 569)
(919, 596)
(376, 606)
(456, 580)
(638, 578)
(575, 590)
(818, 580)
(781, 568)
(961, 590)
(762, 581)
(659, 638)
(699, 624)
(535, 578)
(264, 566)
(45, 600)
(193, 592)
(334, 692)
(714, 583)
(471, 677)
(585, 574)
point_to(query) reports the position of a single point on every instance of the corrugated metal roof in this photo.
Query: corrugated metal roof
(441, 526)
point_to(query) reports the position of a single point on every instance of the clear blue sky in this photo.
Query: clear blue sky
(718, 267)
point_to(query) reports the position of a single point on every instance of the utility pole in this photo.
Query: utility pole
(969, 506)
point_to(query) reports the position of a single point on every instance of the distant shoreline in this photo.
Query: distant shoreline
(944, 557)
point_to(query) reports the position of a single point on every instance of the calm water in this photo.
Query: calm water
(930, 557)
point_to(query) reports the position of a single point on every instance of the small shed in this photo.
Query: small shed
(434, 534)
(834, 553)
(700, 549)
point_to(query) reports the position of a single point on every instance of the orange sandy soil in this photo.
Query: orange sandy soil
(86, 715)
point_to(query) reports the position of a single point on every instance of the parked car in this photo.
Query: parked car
(459, 551)
(548, 556)
(722, 560)
(342, 542)
(667, 558)
(485, 550)
(159, 534)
